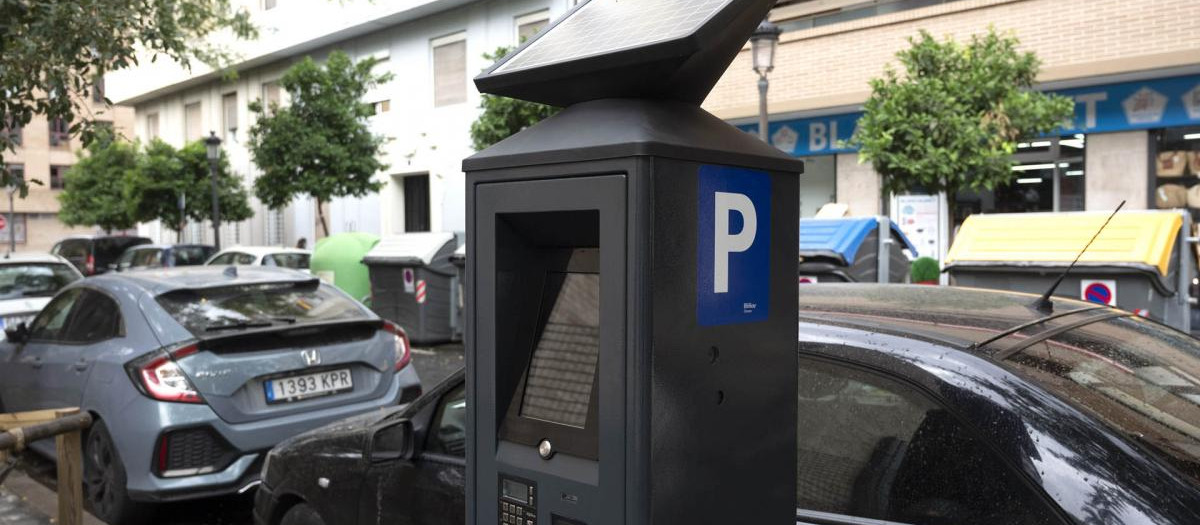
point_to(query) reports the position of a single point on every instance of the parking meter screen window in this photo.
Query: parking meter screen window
(604, 26)
(558, 388)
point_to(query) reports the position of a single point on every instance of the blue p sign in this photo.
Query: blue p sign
(733, 249)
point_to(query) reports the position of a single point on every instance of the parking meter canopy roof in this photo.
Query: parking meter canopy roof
(656, 49)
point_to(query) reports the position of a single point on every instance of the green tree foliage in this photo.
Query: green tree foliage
(94, 192)
(953, 119)
(320, 144)
(163, 173)
(502, 117)
(51, 51)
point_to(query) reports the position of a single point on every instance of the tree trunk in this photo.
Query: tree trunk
(321, 215)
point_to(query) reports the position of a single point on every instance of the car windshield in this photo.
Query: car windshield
(34, 280)
(1139, 377)
(232, 308)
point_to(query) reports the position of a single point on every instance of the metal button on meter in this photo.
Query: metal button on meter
(612, 247)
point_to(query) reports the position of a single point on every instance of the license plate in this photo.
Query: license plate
(296, 388)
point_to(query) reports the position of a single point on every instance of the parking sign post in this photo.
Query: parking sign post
(631, 289)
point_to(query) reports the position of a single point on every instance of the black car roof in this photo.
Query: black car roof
(954, 316)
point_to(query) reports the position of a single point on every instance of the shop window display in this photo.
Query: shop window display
(1049, 176)
(1176, 168)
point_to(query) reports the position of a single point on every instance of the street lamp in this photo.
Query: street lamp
(762, 49)
(214, 155)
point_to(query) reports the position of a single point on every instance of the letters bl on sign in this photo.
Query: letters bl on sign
(733, 245)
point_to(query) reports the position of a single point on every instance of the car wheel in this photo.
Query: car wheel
(301, 514)
(104, 481)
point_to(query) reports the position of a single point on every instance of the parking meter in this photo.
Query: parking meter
(631, 296)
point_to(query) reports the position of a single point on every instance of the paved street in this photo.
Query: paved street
(35, 479)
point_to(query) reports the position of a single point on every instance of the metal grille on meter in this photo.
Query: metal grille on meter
(604, 26)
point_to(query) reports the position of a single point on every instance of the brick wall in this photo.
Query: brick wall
(830, 66)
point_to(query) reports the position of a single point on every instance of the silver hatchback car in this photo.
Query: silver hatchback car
(192, 374)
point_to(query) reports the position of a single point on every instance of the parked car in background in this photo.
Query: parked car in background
(92, 254)
(192, 374)
(163, 256)
(294, 258)
(917, 404)
(28, 281)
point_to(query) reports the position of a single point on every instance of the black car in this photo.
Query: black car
(917, 404)
(93, 254)
(163, 256)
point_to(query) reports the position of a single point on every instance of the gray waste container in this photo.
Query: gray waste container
(411, 284)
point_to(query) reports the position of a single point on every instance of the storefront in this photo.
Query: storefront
(1158, 116)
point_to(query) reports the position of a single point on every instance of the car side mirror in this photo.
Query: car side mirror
(391, 441)
(18, 334)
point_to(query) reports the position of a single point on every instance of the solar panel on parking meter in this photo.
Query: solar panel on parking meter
(631, 290)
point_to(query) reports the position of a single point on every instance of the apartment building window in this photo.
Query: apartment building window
(60, 132)
(270, 95)
(229, 115)
(152, 126)
(16, 172)
(450, 70)
(383, 106)
(274, 224)
(530, 24)
(416, 203)
(98, 89)
(57, 177)
(192, 127)
(269, 4)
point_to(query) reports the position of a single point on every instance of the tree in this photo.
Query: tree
(953, 120)
(94, 188)
(502, 116)
(163, 173)
(320, 145)
(52, 51)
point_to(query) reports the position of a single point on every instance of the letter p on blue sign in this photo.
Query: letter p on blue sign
(733, 247)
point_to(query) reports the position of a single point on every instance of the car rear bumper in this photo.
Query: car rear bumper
(251, 441)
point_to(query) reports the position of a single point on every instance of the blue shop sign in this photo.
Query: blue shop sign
(1143, 104)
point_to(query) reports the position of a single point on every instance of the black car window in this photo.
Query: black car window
(869, 447)
(71, 248)
(96, 318)
(448, 433)
(108, 249)
(224, 258)
(49, 325)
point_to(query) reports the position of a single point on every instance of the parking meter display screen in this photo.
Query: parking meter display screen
(558, 386)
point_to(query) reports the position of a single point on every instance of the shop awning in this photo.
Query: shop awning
(841, 238)
(1144, 239)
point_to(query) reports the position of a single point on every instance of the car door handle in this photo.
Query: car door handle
(82, 365)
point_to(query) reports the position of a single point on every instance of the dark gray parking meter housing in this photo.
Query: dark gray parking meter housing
(632, 306)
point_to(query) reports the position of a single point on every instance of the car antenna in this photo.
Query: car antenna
(1044, 304)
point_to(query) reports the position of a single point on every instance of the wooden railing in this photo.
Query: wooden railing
(66, 427)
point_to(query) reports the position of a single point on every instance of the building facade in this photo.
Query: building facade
(432, 47)
(1133, 69)
(44, 152)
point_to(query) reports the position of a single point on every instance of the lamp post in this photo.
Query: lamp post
(214, 156)
(762, 49)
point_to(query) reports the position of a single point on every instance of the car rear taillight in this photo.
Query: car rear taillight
(159, 376)
(91, 264)
(400, 339)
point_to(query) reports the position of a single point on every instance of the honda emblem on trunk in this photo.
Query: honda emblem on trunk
(311, 357)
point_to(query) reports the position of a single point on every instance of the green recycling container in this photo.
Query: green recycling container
(338, 259)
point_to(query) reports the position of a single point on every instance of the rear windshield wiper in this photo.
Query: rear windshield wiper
(240, 325)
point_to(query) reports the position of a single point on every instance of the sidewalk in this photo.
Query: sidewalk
(24, 501)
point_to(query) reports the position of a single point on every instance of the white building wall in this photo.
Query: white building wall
(423, 139)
